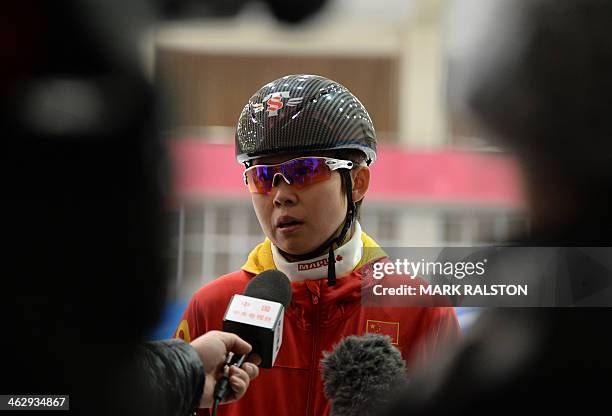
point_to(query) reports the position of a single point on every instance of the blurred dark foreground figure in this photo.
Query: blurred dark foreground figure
(547, 98)
(83, 276)
(81, 281)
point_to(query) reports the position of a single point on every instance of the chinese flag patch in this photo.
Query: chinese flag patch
(390, 329)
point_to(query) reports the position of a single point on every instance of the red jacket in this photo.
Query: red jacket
(318, 317)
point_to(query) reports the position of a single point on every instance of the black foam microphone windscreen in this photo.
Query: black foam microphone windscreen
(361, 374)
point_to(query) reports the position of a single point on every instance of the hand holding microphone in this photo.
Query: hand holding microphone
(213, 347)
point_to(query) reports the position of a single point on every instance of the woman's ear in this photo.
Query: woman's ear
(361, 182)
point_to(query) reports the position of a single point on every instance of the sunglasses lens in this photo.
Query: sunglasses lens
(306, 171)
(259, 179)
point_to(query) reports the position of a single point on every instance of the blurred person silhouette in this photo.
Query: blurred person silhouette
(540, 82)
(84, 279)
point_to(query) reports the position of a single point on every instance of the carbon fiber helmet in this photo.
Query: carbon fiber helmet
(298, 113)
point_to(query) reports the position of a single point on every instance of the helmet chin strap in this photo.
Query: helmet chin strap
(350, 216)
(329, 243)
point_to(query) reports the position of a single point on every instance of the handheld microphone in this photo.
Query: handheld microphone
(361, 374)
(257, 317)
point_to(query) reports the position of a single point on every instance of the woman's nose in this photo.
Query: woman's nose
(284, 193)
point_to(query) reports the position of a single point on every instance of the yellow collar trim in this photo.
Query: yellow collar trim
(260, 258)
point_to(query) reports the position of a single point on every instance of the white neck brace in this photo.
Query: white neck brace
(347, 257)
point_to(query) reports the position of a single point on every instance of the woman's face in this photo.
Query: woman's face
(300, 220)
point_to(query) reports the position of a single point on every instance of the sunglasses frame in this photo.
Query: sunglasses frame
(330, 162)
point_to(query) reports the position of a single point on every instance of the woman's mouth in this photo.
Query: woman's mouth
(287, 224)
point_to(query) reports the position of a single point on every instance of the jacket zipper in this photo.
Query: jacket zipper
(315, 347)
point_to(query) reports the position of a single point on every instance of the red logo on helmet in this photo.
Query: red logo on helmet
(274, 104)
